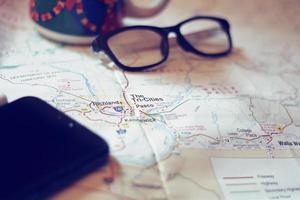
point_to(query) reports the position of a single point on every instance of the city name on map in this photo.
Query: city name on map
(289, 143)
(142, 101)
(106, 103)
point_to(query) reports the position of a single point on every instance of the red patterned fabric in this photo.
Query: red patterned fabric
(112, 20)
(70, 4)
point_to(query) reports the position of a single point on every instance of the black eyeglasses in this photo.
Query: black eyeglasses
(138, 48)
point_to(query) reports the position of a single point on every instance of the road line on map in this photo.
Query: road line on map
(238, 177)
(201, 135)
(44, 85)
(239, 184)
(149, 115)
(289, 114)
(244, 191)
(31, 84)
(172, 108)
(95, 120)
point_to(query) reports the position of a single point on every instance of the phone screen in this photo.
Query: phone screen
(43, 150)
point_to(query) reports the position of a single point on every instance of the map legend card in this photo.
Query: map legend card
(258, 178)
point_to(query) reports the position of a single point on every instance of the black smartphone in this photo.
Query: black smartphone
(42, 150)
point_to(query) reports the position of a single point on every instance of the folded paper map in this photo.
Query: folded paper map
(196, 128)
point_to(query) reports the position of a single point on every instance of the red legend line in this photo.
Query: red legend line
(238, 177)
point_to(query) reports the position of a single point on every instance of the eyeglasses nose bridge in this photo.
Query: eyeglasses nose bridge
(181, 41)
(179, 37)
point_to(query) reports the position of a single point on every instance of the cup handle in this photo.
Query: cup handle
(135, 11)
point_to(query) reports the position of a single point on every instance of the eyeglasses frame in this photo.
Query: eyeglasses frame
(100, 44)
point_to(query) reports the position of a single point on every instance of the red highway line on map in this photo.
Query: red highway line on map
(272, 137)
(240, 138)
(104, 113)
(121, 120)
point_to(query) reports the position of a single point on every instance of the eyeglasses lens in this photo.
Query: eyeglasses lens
(137, 47)
(206, 36)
